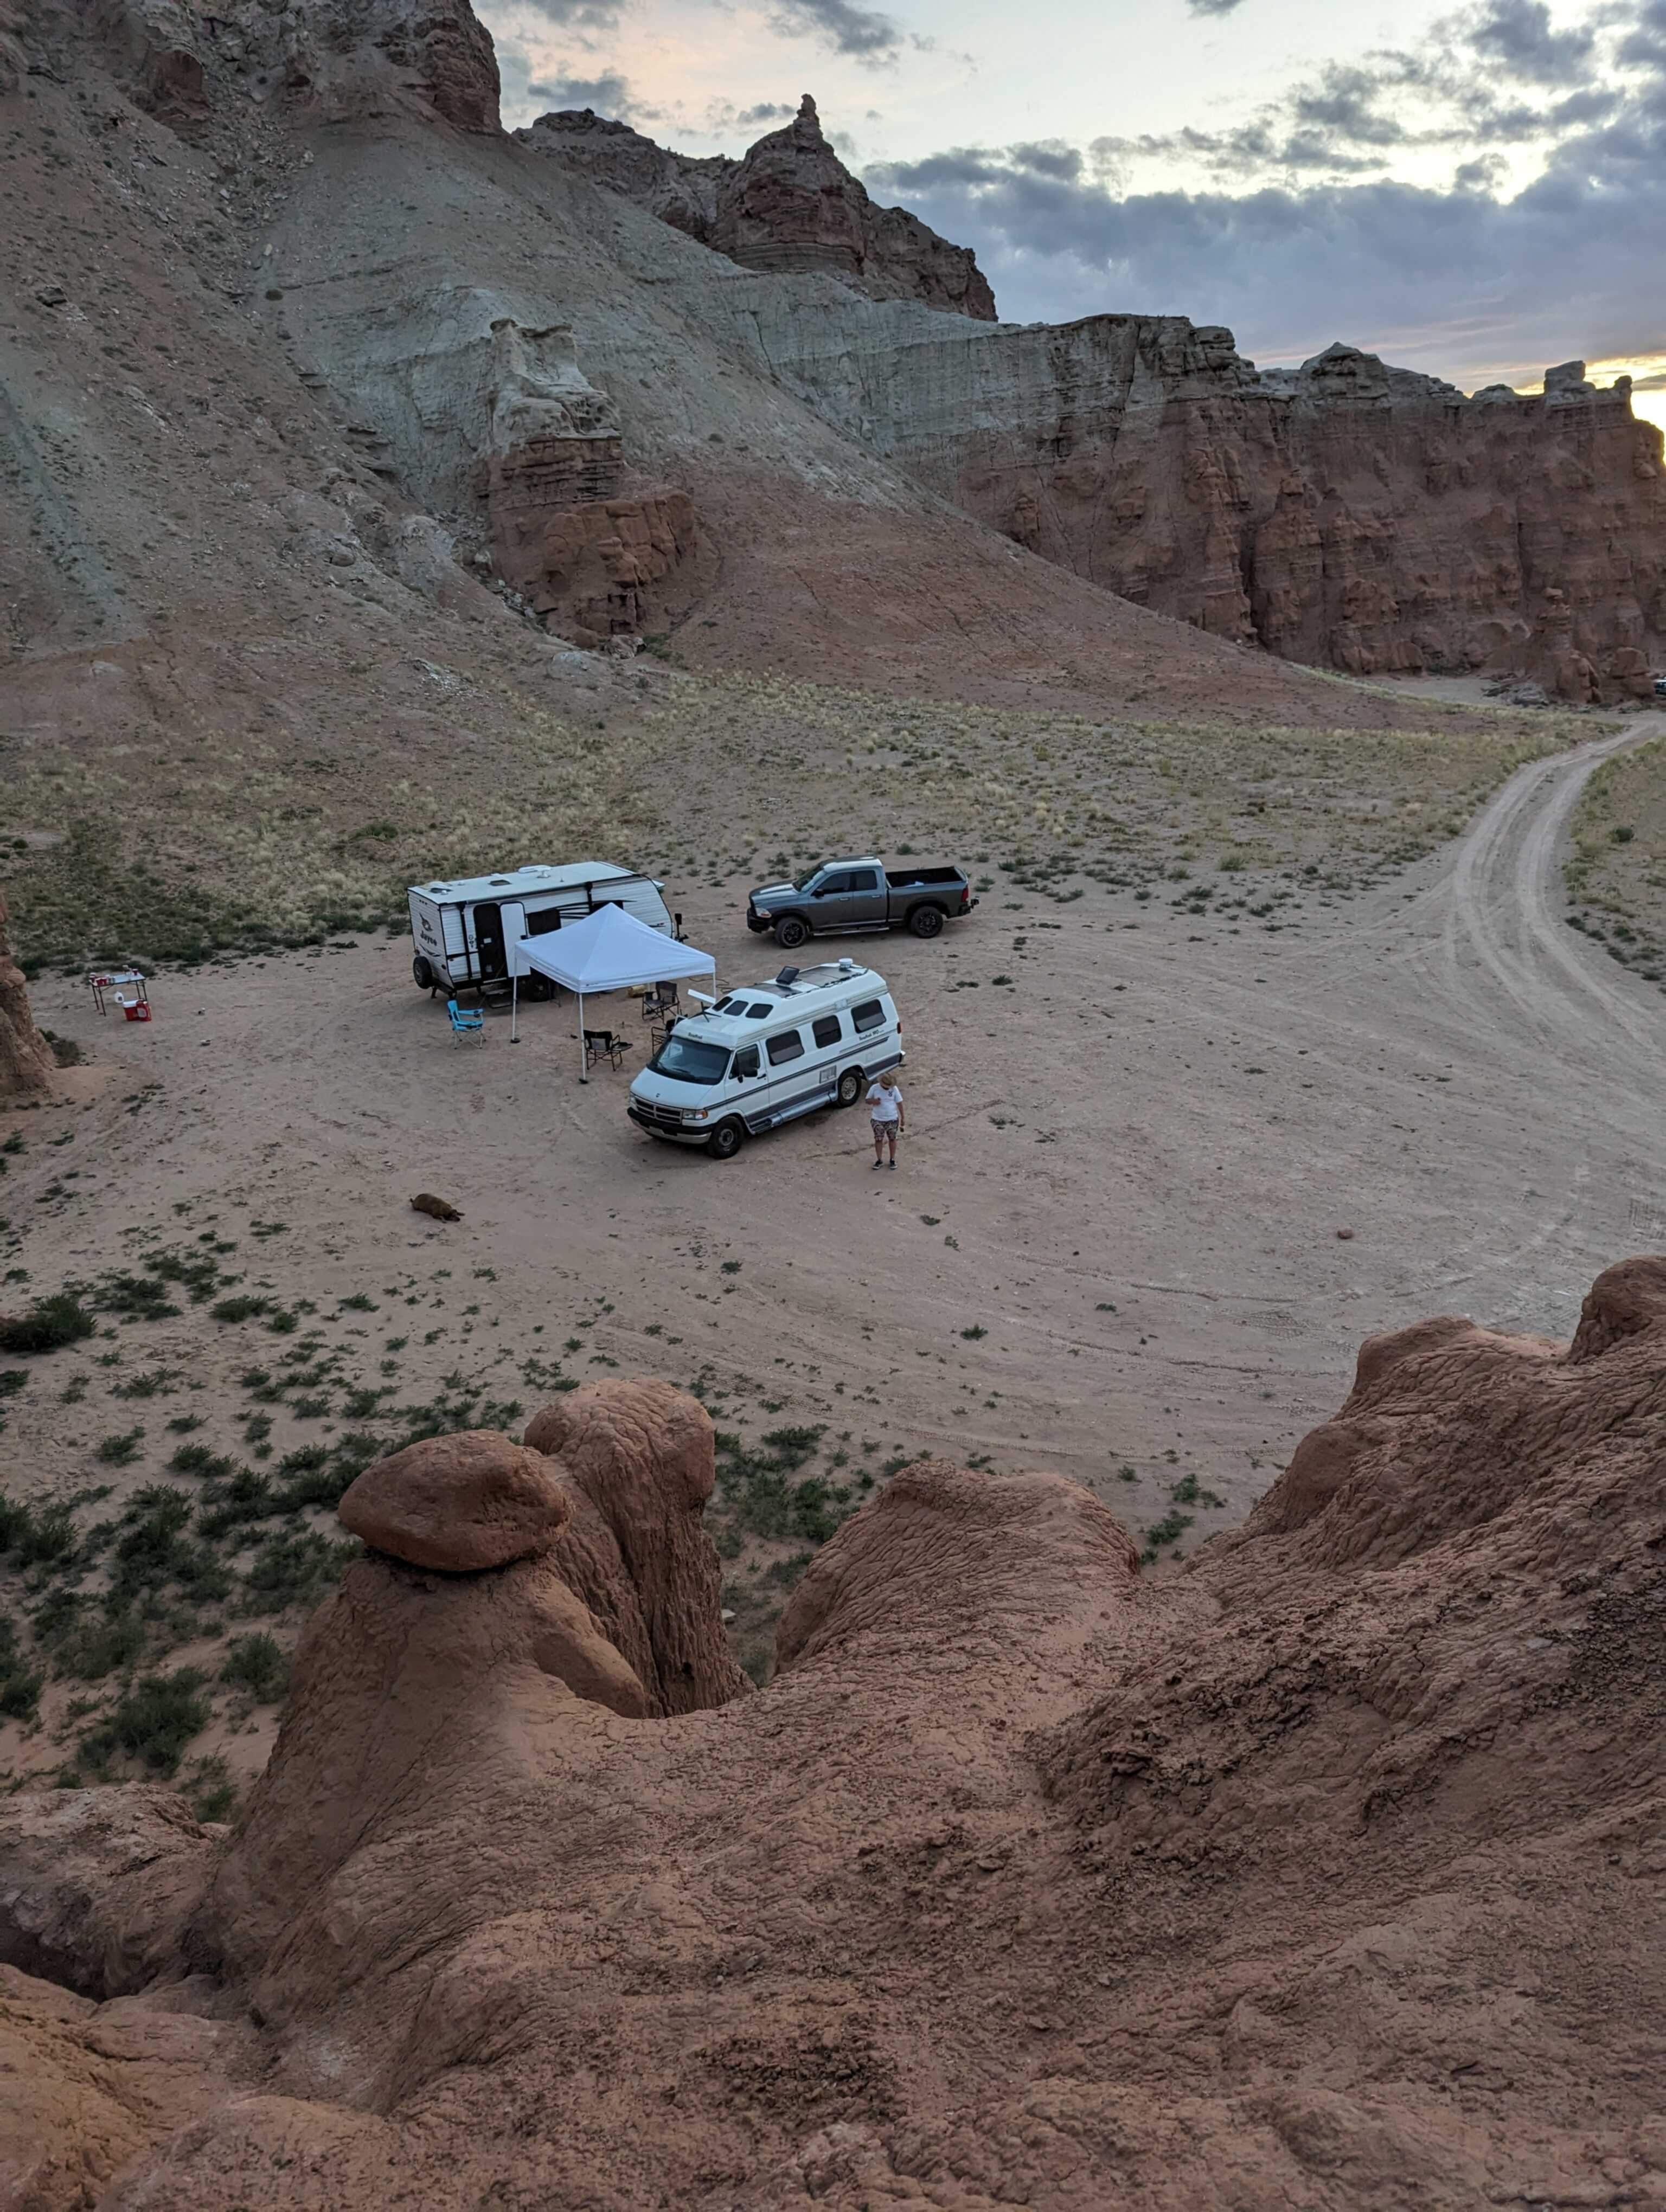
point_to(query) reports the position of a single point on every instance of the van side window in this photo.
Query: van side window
(870, 1015)
(745, 1060)
(828, 1028)
(789, 1045)
(540, 925)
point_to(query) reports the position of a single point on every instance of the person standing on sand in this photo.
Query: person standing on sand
(885, 1103)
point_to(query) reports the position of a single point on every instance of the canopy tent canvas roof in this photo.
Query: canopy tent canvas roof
(608, 951)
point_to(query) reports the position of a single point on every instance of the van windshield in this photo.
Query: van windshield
(688, 1060)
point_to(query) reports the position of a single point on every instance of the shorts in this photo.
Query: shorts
(886, 1128)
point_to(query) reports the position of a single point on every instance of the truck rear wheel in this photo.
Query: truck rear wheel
(791, 931)
(724, 1141)
(850, 1086)
(423, 973)
(926, 920)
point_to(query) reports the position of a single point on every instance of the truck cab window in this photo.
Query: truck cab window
(864, 879)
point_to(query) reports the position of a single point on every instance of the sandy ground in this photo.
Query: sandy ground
(1135, 1163)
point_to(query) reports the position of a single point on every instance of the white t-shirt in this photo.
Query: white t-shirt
(887, 1105)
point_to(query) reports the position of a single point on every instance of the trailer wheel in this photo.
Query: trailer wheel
(423, 973)
(791, 931)
(926, 920)
(724, 1141)
(850, 1086)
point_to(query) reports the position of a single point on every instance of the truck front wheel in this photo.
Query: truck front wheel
(724, 1141)
(791, 931)
(926, 920)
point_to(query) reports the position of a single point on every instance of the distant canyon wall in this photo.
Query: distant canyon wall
(1345, 514)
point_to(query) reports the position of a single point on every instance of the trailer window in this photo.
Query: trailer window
(870, 1015)
(789, 1045)
(828, 1030)
(540, 924)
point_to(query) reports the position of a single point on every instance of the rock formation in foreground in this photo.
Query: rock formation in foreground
(1324, 1874)
(26, 1065)
(788, 207)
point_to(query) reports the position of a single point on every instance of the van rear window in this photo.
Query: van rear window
(827, 1029)
(870, 1015)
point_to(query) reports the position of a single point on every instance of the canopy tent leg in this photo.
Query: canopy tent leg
(584, 1070)
(515, 1007)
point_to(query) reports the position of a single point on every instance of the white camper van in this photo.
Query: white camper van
(815, 1036)
(460, 931)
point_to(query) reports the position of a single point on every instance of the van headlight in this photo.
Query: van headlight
(696, 1113)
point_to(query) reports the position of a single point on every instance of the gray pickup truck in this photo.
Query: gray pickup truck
(843, 896)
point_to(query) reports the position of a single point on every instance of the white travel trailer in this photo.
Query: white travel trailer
(768, 1052)
(460, 932)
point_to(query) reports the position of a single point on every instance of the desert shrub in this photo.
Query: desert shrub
(198, 1459)
(88, 1642)
(247, 1498)
(296, 1567)
(257, 1665)
(119, 1450)
(133, 1297)
(152, 1722)
(20, 1685)
(36, 1539)
(47, 1325)
(12, 1380)
(244, 1307)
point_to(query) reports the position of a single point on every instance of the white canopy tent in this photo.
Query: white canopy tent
(608, 951)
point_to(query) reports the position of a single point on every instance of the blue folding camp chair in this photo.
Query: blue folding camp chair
(466, 1025)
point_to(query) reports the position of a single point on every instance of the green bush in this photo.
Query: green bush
(47, 1325)
(242, 1308)
(19, 1685)
(297, 1567)
(257, 1665)
(152, 1722)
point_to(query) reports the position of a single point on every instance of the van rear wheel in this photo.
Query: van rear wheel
(926, 920)
(850, 1086)
(724, 1141)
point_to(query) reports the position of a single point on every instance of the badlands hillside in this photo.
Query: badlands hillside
(442, 1771)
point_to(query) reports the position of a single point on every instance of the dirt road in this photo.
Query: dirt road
(1112, 1240)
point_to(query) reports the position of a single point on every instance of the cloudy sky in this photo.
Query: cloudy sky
(1476, 192)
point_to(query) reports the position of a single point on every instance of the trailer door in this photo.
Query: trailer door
(488, 944)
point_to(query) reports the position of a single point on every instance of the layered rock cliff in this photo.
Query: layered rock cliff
(789, 207)
(1345, 513)
(337, 64)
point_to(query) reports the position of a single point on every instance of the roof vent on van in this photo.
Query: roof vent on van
(501, 879)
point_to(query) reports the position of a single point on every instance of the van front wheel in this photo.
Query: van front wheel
(724, 1141)
(926, 920)
(850, 1086)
